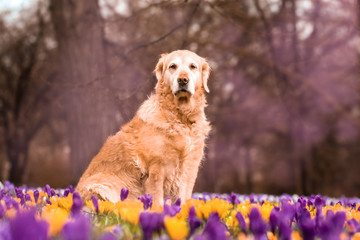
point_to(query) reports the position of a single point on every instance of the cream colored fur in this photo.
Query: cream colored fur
(159, 151)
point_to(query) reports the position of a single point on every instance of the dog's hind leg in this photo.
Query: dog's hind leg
(104, 186)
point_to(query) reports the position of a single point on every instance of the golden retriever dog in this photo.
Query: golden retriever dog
(159, 151)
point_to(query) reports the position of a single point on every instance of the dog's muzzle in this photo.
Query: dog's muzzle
(183, 82)
(182, 85)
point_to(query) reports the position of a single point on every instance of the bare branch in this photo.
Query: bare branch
(145, 45)
(186, 23)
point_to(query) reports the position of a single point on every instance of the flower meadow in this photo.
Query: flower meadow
(28, 213)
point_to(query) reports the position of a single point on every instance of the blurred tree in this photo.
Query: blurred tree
(79, 33)
(23, 93)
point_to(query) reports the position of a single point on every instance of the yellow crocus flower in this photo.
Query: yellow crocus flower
(243, 209)
(176, 228)
(11, 213)
(271, 236)
(296, 235)
(220, 206)
(63, 202)
(231, 221)
(90, 205)
(130, 214)
(129, 210)
(265, 210)
(106, 207)
(204, 210)
(56, 217)
(356, 236)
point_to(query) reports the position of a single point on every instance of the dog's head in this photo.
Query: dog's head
(184, 72)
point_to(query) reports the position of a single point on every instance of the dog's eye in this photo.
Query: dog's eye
(192, 66)
(173, 66)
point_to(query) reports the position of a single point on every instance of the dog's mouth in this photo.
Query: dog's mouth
(181, 92)
(182, 96)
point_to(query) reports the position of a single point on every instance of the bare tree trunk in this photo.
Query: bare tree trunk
(79, 32)
(18, 157)
(249, 170)
(17, 145)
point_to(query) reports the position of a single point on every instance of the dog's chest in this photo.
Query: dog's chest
(182, 144)
(185, 140)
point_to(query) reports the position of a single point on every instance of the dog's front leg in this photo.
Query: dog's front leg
(189, 174)
(154, 184)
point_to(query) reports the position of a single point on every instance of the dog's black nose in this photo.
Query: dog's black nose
(183, 81)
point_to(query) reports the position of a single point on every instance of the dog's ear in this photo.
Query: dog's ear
(205, 74)
(160, 66)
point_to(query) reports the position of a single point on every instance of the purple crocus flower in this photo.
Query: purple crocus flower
(194, 221)
(25, 226)
(329, 214)
(66, 192)
(8, 186)
(284, 229)
(274, 220)
(2, 193)
(257, 225)
(2, 210)
(319, 201)
(200, 237)
(252, 198)
(338, 221)
(151, 222)
(108, 236)
(27, 197)
(118, 231)
(287, 211)
(234, 199)
(146, 200)
(178, 202)
(95, 202)
(171, 210)
(47, 189)
(353, 226)
(303, 214)
(331, 228)
(19, 193)
(36, 195)
(241, 221)
(71, 188)
(276, 208)
(77, 204)
(78, 229)
(9, 202)
(5, 231)
(318, 217)
(302, 202)
(214, 228)
(307, 227)
(7, 199)
(310, 202)
(124, 194)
